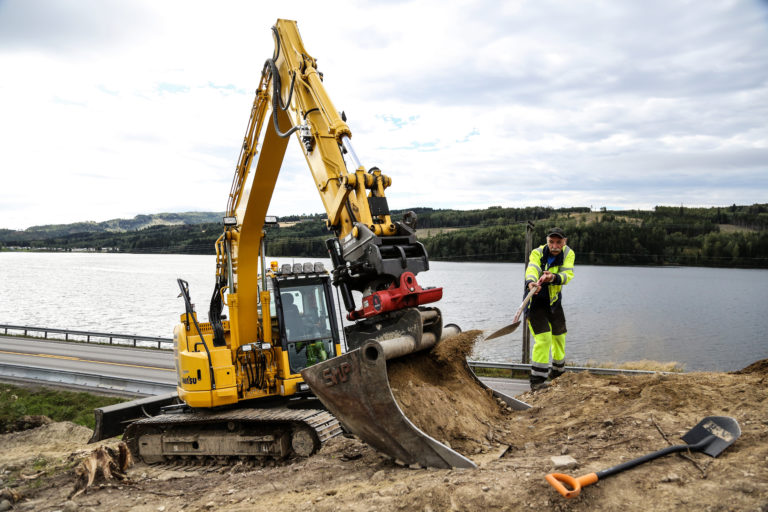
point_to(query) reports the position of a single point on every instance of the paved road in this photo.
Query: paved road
(510, 387)
(107, 360)
(132, 363)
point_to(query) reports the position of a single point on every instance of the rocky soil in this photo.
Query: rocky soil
(598, 421)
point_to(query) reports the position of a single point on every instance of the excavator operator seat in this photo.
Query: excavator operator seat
(291, 315)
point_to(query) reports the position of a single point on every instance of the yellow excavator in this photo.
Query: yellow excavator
(249, 384)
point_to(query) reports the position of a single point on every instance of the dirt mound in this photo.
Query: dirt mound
(437, 392)
(760, 367)
(49, 441)
(24, 423)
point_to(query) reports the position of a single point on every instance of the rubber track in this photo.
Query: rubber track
(325, 425)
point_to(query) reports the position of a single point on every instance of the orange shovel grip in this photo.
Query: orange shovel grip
(557, 480)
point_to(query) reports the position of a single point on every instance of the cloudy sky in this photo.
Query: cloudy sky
(112, 108)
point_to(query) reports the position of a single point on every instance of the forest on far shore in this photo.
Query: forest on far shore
(734, 236)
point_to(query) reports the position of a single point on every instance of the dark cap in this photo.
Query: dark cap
(556, 232)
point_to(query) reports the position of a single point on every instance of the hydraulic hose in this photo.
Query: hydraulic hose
(190, 314)
(277, 99)
(214, 315)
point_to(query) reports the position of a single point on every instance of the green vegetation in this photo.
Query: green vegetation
(644, 365)
(735, 236)
(77, 407)
(730, 237)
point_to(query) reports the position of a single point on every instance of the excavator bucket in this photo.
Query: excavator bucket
(355, 388)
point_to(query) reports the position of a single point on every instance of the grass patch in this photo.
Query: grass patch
(77, 407)
(430, 232)
(647, 365)
(500, 372)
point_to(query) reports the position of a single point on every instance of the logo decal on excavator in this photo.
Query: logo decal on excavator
(336, 374)
(189, 380)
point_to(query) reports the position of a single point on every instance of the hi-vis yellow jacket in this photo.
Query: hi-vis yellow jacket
(562, 267)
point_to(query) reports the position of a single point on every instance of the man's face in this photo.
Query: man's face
(556, 244)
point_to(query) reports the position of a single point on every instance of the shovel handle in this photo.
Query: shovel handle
(560, 480)
(525, 302)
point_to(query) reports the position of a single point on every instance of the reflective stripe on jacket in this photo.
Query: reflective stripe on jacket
(562, 267)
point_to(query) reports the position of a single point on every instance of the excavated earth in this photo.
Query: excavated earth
(599, 421)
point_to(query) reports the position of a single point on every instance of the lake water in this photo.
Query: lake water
(702, 318)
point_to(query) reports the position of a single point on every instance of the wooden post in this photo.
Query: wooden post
(526, 356)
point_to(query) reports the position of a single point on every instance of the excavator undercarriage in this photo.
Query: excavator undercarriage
(243, 434)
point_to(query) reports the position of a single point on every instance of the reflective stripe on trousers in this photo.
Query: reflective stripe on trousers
(544, 343)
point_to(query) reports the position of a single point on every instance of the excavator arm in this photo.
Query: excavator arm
(370, 251)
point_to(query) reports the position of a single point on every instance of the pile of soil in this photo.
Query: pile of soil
(599, 421)
(438, 393)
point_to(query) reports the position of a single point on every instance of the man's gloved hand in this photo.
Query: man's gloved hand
(546, 277)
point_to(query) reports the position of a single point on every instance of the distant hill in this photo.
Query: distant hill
(137, 223)
(730, 236)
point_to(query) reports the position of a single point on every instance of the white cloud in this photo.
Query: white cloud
(112, 108)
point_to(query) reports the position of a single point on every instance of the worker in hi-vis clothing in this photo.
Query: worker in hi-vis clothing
(550, 267)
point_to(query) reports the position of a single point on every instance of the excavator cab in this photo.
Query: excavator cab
(306, 327)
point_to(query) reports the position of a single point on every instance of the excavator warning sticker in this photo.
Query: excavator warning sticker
(336, 374)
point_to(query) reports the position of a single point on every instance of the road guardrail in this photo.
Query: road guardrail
(103, 338)
(520, 367)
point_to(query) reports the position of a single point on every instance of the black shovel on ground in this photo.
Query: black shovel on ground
(712, 435)
(509, 329)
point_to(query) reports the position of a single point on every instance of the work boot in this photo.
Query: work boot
(557, 369)
(538, 383)
(555, 373)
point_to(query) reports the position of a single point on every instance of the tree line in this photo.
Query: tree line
(735, 236)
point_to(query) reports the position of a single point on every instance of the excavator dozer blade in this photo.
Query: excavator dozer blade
(355, 388)
(112, 420)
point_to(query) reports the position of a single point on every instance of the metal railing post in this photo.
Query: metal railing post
(526, 355)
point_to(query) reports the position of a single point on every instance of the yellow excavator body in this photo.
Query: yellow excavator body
(249, 382)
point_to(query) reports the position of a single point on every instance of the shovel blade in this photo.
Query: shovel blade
(724, 429)
(509, 329)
